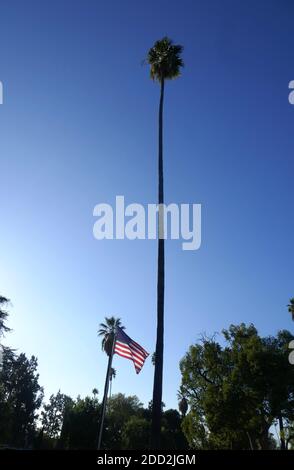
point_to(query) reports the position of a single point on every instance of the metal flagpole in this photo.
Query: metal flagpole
(106, 392)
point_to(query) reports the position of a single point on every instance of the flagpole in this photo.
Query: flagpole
(106, 392)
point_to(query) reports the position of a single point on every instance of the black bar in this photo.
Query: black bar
(140, 458)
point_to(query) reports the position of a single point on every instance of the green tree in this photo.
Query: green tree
(119, 410)
(238, 391)
(127, 424)
(3, 315)
(183, 404)
(165, 63)
(21, 397)
(171, 429)
(3, 329)
(53, 414)
(136, 433)
(289, 436)
(80, 423)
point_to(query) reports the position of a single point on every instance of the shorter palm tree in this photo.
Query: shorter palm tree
(95, 392)
(107, 331)
(291, 307)
(111, 377)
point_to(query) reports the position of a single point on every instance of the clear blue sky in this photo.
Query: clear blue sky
(79, 126)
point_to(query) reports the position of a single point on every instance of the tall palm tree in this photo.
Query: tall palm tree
(165, 63)
(291, 307)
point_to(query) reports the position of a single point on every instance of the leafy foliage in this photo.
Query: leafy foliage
(20, 397)
(127, 425)
(234, 392)
(3, 315)
(136, 433)
(53, 414)
(80, 424)
(238, 391)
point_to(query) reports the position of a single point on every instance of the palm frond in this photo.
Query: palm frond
(291, 307)
(106, 330)
(165, 60)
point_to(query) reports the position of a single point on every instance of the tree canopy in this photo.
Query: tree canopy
(238, 390)
(233, 393)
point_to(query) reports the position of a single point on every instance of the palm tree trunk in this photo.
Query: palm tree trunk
(157, 386)
(104, 402)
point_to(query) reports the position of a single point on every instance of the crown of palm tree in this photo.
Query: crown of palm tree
(291, 308)
(165, 60)
(107, 330)
(112, 373)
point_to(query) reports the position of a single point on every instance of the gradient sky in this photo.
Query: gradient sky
(79, 126)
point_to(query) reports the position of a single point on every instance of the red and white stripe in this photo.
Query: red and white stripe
(132, 351)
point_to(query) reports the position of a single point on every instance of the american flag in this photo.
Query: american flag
(126, 347)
